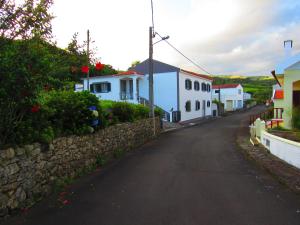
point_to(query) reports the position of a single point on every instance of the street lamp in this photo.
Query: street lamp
(151, 94)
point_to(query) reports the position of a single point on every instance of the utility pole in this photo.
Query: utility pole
(88, 60)
(151, 95)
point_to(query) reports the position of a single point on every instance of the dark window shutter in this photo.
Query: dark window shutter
(92, 88)
(108, 87)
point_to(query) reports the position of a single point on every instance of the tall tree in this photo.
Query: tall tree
(25, 20)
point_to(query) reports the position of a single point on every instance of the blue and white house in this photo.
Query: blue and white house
(231, 95)
(181, 94)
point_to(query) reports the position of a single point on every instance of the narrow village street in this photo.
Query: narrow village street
(192, 176)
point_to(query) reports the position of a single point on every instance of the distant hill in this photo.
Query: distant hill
(259, 86)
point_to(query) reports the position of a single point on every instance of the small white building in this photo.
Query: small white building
(231, 95)
(119, 87)
(247, 96)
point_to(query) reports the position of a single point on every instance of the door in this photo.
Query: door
(296, 98)
(229, 105)
(204, 107)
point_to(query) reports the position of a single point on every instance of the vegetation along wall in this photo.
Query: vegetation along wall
(30, 172)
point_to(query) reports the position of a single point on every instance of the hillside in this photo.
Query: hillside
(259, 86)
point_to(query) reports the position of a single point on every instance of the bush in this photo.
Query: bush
(296, 118)
(158, 112)
(141, 112)
(68, 111)
(123, 111)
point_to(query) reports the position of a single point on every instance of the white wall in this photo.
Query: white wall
(231, 94)
(284, 149)
(114, 94)
(193, 95)
(165, 90)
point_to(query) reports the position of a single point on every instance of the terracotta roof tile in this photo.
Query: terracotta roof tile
(197, 74)
(223, 86)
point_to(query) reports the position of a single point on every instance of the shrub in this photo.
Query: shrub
(296, 118)
(158, 112)
(69, 111)
(141, 112)
(123, 111)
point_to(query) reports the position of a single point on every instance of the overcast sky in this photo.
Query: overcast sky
(241, 37)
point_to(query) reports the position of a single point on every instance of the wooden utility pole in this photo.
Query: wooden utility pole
(151, 94)
(88, 60)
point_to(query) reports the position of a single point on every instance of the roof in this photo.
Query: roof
(158, 67)
(126, 73)
(279, 94)
(295, 66)
(197, 74)
(223, 86)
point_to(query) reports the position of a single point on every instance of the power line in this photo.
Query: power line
(196, 64)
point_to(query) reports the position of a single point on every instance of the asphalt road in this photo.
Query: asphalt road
(192, 176)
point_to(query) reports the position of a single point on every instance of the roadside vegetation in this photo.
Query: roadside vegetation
(37, 101)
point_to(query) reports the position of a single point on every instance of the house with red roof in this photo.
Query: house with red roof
(117, 87)
(231, 95)
(183, 95)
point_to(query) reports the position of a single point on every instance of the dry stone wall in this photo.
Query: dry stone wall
(30, 171)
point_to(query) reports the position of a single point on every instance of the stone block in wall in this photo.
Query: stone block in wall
(7, 153)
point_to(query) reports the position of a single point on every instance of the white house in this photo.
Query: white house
(247, 96)
(231, 95)
(182, 94)
(119, 87)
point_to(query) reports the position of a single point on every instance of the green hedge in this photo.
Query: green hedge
(62, 113)
(114, 112)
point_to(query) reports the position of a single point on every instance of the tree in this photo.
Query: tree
(134, 63)
(29, 18)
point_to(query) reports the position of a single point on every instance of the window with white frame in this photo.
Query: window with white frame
(188, 106)
(197, 106)
(208, 104)
(203, 87)
(196, 86)
(101, 87)
(188, 84)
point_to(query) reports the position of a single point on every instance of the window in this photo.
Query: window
(217, 91)
(240, 91)
(208, 104)
(208, 87)
(102, 87)
(188, 106)
(188, 84)
(197, 105)
(196, 86)
(203, 86)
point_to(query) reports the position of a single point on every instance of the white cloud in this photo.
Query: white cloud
(225, 36)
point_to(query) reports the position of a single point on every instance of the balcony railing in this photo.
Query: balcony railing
(126, 95)
(273, 115)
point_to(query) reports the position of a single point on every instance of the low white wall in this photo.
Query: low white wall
(287, 150)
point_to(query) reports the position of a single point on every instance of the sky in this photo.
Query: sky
(236, 37)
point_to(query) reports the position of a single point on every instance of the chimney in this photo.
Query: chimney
(288, 46)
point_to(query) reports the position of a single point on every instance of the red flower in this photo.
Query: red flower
(99, 66)
(35, 108)
(85, 69)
